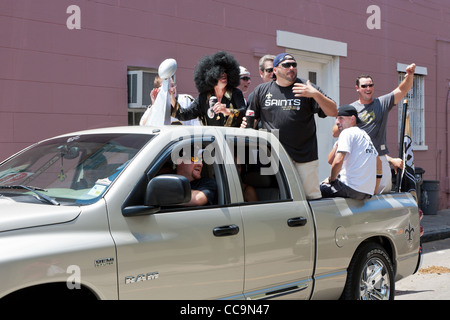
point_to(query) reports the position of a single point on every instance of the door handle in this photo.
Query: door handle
(226, 231)
(297, 222)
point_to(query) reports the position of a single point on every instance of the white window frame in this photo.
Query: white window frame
(416, 106)
(140, 90)
(136, 109)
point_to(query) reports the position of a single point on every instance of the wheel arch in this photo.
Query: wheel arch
(386, 243)
(51, 291)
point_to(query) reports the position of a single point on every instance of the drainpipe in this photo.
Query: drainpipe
(446, 182)
(447, 160)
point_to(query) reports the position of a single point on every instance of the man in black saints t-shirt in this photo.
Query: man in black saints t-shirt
(288, 105)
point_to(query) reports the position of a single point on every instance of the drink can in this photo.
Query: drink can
(250, 116)
(212, 103)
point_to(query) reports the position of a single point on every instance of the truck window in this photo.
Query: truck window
(202, 149)
(75, 170)
(261, 174)
(206, 153)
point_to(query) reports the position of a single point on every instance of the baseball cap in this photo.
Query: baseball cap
(243, 71)
(348, 111)
(282, 57)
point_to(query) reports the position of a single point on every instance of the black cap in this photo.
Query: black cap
(348, 111)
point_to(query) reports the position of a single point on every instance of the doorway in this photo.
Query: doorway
(318, 68)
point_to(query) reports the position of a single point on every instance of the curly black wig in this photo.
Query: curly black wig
(210, 68)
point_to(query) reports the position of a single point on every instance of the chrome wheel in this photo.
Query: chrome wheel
(370, 274)
(375, 281)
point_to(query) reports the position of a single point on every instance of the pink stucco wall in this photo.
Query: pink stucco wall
(54, 80)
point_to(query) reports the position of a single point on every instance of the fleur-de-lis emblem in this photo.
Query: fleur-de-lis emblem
(62, 176)
(409, 231)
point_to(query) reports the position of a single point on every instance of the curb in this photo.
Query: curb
(436, 235)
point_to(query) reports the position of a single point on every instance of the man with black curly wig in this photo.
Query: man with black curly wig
(288, 105)
(217, 76)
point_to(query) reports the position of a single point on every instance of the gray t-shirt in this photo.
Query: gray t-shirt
(374, 119)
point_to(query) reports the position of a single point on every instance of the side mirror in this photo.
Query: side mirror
(168, 190)
(164, 190)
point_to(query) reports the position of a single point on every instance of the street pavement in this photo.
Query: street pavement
(436, 226)
(432, 282)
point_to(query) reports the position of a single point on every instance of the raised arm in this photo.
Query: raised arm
(406, 85)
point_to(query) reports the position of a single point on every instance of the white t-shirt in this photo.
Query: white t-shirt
(359, 168)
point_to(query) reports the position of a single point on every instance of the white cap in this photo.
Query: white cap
(243, 71)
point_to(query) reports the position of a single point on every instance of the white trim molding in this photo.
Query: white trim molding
(312, 44)
(423, 71)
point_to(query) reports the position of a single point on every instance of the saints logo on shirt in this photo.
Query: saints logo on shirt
(284, 104)
(367, 117)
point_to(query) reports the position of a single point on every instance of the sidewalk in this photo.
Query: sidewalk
(436, 227)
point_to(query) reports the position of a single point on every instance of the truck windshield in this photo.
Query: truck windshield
(71, 170)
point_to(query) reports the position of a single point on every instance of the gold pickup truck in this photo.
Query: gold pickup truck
(102, 214)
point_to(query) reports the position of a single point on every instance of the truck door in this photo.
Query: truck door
(279, 232)
(179, 252)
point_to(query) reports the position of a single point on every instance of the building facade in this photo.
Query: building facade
(79, 64)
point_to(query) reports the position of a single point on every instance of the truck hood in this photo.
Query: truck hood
(15, 215)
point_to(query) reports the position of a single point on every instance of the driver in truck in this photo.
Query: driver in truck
(203, 190)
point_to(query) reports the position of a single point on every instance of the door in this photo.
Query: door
(316, 71)
(176, 255)
(180, 253)
(278, 231)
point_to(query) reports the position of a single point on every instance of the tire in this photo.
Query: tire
(370, 275)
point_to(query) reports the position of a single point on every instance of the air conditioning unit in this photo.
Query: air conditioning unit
(140, 84)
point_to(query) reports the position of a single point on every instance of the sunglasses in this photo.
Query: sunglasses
(245, 78)
(289, 64)
(268, 70)
(195, 159)
(367, 85)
